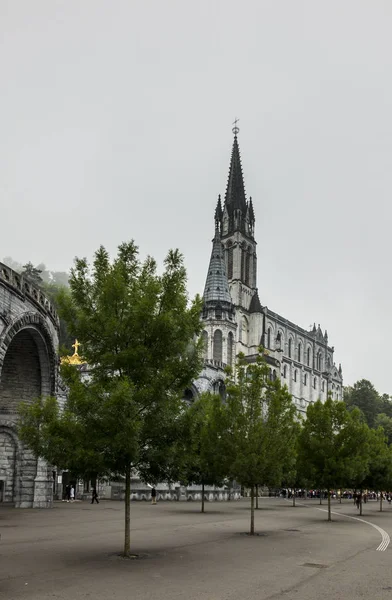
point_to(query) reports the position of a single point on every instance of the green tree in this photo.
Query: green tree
(382, 420)
(204, 462)
(378, 475)
(32, 273)
(363, 395)
(333, 446)
(138, 333)
(259, 426)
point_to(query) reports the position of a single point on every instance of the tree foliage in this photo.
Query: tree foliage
(139, 338)
(333, 446)
(260, 419)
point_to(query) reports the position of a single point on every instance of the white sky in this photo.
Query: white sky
(115, 123)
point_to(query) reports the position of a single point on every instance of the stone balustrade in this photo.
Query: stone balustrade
(26, 289)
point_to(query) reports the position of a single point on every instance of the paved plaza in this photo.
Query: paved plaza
(71, 552)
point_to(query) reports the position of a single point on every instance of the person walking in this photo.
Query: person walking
(153, 496)
(94, 496)
(72, 493)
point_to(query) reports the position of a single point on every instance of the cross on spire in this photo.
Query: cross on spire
(235, 129)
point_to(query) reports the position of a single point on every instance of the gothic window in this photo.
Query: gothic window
(285, 371)
(269, 337)
(244, 331)
(230, 344)
(305, 379)
(323, 386)
(314, 383)
(321, 362)
(290, 346)
(274, 375)
(247, 268)
(299, 352)
(295, 375)
(308, 357)
(218, 345)
(205, 344)
(230, 260)
(279, 340)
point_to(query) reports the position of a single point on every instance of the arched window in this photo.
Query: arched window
(305, 379)
(247, 268)
(244, 331)
(323, 386)
(274, 375)
(205, 344)
(290, 347)
(299, 351)
(269, 337)
(285, 371)
(308, 356)
(218, 345)
(243, 261)
(230, 344)
(318, 362)
(295, 375)
(230, 252)
(314, 383)
(279, 340)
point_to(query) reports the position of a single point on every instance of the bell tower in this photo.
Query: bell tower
(236, 223)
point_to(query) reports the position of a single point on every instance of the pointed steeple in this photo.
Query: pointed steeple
(235, 191)
(218, 211)
(217, 286)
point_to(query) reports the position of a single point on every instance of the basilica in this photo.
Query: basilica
(235, 320)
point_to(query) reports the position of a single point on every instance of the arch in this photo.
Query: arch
(190, 394)
(218, 386)
(278, 341)
(308, 356)
(299, 352)
(290, 347)
(27, 369)
(36, 326)
(230, 347)
(230, 254)
(204, 336)
(217, 351)
(247, 268)
(244, 331)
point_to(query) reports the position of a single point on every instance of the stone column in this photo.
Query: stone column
(43, 486)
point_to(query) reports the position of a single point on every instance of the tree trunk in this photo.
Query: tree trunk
(294, 497)
(360, 503)
(127, 537)
(252, 510)
(202, 497)
(257, 497)
(329, 505)
(380, 501)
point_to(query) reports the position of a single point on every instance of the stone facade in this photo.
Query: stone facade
(236, 321)
(28, 369)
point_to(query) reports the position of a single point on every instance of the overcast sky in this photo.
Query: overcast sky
(115, 123)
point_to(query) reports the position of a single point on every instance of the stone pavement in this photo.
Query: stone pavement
(71, 552)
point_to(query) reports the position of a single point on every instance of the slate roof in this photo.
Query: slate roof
(255, 304)
(235, 191)
(217, 285)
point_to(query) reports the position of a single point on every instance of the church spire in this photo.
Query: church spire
(235, 197)
(216, 290)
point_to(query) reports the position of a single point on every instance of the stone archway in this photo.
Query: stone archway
(28, 371)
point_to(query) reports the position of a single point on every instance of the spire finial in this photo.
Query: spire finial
(235, 129)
